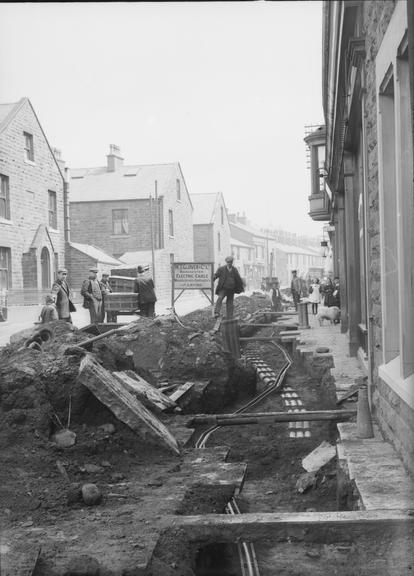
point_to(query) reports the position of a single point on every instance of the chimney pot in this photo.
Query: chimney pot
(114, 159)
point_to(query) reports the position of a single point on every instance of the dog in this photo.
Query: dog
(333, 314)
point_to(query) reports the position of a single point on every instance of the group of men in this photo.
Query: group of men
(59, 304)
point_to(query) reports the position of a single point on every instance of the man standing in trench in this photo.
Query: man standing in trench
(229, 284)
(144, 285)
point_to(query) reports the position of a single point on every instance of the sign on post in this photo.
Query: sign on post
(192, 276)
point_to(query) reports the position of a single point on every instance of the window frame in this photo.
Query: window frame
(392, 67)
(178, 189)
(5, 195)
(6, 250)
(28, 147)
(52, 209)
(120, 221)
(170, 223)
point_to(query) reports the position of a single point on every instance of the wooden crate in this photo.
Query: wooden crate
(121, 301)
(121, 284)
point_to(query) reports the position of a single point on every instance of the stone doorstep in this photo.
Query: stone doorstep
(377, 471)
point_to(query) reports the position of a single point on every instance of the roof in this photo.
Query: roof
(6, 112)
(135, 182)
(253, 231)
(95, 253)
(204, 206)
(141, 257)
(291, 249)
(239, 243)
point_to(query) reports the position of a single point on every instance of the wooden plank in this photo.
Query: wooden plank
(318, 526)
(351, 392)
(150, 396)
(19, 558)
(270, 417)
(289, 333)
(181, 391)
(123, 404)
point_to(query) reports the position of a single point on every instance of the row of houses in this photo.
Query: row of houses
(115, 216)
(362, 184)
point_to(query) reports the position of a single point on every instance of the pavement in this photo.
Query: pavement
(373, 465)
(23, 317)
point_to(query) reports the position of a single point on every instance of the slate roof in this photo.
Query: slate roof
(291, 249)
(6, 111)
(235, 242)
(126, 183)
(96, 253)
(204, 205)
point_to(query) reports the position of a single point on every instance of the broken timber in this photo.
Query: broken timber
(270, 417)
(147, 394)
(320, 526)
(123, 404)
(181, 391)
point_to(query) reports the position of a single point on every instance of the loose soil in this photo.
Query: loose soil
(40, 505)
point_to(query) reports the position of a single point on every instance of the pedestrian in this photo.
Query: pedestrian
(229, 284)
(276, 296)
(144, 286)
(315, 295)
(327, 290)
(63, 296)
(92, 293)
(296, 288)
(106, 289)
(49, 311)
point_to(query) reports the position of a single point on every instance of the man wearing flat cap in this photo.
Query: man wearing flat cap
(144, 286)
(229, 284)
(63, 296)
(92, 293)
(296, 288)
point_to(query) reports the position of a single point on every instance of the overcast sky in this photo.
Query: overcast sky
(226, 89)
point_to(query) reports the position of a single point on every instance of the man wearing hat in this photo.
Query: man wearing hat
(106, 289)
(296, 288)
(144, 285)
(229, 284)
(92, 293)
(63, 296)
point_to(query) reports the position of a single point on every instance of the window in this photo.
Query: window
(218, 241)
(222, 215)
(28, 146)
(4, 197)
(170, 223)
(395, 168)
(52, 210)
(5, 268)
(178, 185)
(120, 222)
(238, 252)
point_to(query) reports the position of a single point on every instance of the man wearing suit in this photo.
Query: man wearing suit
(92, 293)
(63, 296)
(229, 284)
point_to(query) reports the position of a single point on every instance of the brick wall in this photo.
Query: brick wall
(29, 202)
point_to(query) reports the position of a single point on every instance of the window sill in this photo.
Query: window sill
(171, 237)
(31, 162)
(120, 236)
(6, 221)
(54, 230)
(403, 387)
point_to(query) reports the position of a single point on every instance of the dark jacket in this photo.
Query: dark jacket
(63, 295)
(221, 275)
(145, 288)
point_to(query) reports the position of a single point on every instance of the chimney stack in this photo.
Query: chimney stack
(114, 159)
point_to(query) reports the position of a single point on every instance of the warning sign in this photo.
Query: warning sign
(192, 275)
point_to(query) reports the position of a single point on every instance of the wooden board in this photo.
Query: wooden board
(123, 404)
(181, 391)
(151, 397)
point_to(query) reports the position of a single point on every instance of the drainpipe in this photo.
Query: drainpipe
(66, 205)
(369, 316)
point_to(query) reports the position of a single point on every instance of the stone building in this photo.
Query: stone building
(32, 206)
(211, 228)
(368, 105)
(141, 214)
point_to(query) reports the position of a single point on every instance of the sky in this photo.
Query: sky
(225, 88)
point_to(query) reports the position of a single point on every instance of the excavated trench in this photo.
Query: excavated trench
(148, 494)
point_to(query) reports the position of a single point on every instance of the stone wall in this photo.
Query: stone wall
(395, 417)
(29, 183)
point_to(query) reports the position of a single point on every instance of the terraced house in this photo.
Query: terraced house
(141, 214)
(368, 74)
(32, 206)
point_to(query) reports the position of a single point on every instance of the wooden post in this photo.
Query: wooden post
(230, 334)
